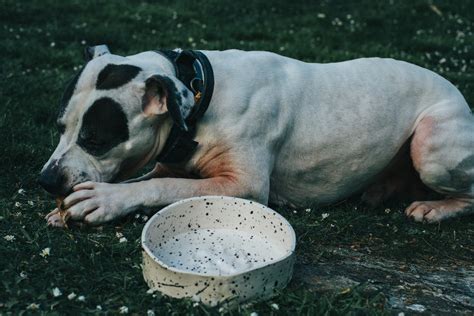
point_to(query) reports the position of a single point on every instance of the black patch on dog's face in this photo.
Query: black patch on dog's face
(67, 94)
(104, 126)
(114, 76)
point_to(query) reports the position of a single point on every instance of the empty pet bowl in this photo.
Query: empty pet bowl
(218, 249)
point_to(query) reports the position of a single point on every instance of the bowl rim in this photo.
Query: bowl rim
(220, 197)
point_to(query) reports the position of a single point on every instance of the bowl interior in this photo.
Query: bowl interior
(217, 235)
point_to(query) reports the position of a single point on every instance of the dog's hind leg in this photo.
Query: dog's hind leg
(442, 150)
(398, 181)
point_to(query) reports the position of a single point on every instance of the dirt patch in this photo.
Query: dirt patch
(408, 287)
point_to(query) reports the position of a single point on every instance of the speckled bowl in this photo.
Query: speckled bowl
(218, 249)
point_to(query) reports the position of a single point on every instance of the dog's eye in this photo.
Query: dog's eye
(91, 140)
(91, 143)
(94, 142)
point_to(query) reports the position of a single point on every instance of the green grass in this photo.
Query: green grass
(42, 43)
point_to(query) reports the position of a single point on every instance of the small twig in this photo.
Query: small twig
(436, 10)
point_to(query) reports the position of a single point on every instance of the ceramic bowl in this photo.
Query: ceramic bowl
(218, 249)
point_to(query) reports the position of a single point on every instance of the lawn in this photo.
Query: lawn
(353, 261)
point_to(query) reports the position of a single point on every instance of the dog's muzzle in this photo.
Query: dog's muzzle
(54, 180)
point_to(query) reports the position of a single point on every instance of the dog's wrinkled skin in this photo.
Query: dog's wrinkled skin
(277, 130)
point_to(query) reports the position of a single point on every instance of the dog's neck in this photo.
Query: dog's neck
(194, 70)
(165, 64)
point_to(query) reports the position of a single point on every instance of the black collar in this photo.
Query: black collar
(195, 71)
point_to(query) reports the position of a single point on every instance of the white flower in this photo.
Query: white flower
(9, 238)
(123, 310)
(123, 239)
(71, 296)
(33, 306)
(98, 307)
(57, 292)
(23, 275)
(52, 44)
(45, 252)
(196, 304)
(144, 218)
(150, 291)
(17, 204)
(275, 306)
(253, 314)
(21, 191)
(83, 42)
(150, 312)
(321, 15)
(336, 21)
(30, 203)
(324, 216)
(118, 235)
(81, 298)
(190, 39)
(307, 210)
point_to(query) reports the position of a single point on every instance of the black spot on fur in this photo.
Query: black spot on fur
(61, 128)
(114, 76)
(104, 126)
(68, 92)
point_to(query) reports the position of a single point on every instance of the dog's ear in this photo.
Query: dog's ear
(91, 52)
(162, 96)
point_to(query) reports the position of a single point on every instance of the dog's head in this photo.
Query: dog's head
(111, 116)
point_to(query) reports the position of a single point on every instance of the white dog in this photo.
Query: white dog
(276, 130)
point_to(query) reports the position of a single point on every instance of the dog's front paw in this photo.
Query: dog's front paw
(96, 203)
(423, 212)
(436, 211)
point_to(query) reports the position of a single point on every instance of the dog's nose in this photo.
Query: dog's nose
(53, 181)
